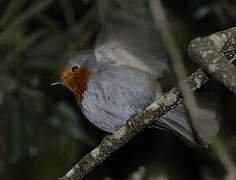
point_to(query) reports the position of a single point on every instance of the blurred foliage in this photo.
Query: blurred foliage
(42, 131)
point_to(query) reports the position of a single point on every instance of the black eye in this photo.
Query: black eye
(74, 68)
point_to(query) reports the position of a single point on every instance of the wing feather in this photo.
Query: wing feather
(133, 43)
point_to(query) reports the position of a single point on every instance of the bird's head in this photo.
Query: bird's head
(76, 74)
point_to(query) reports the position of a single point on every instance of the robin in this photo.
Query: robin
(120, 79)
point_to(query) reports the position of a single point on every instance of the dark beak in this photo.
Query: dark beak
(60, 82)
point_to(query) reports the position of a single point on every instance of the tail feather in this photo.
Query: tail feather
(177, 122)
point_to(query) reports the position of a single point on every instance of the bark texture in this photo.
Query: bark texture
(214, 53)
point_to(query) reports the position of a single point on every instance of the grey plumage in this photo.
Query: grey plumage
(176, 121)
(134, 43)
(123, 82)
(114, 94)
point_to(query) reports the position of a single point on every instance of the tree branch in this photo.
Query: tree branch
(211, 53)
(111, 143)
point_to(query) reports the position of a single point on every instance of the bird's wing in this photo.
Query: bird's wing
(133, 43)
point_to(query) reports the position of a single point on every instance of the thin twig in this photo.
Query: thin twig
(190, 101)
(224, 157)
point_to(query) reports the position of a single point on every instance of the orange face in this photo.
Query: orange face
(76, 78)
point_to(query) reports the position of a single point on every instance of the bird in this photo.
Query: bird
(120, 78)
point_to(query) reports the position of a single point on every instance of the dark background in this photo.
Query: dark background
(42, 131)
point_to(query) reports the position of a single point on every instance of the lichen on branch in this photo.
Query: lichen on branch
(214, 53)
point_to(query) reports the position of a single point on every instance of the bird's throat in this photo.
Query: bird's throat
(77, 83)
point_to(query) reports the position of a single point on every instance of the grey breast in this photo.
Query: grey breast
(114, 94)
